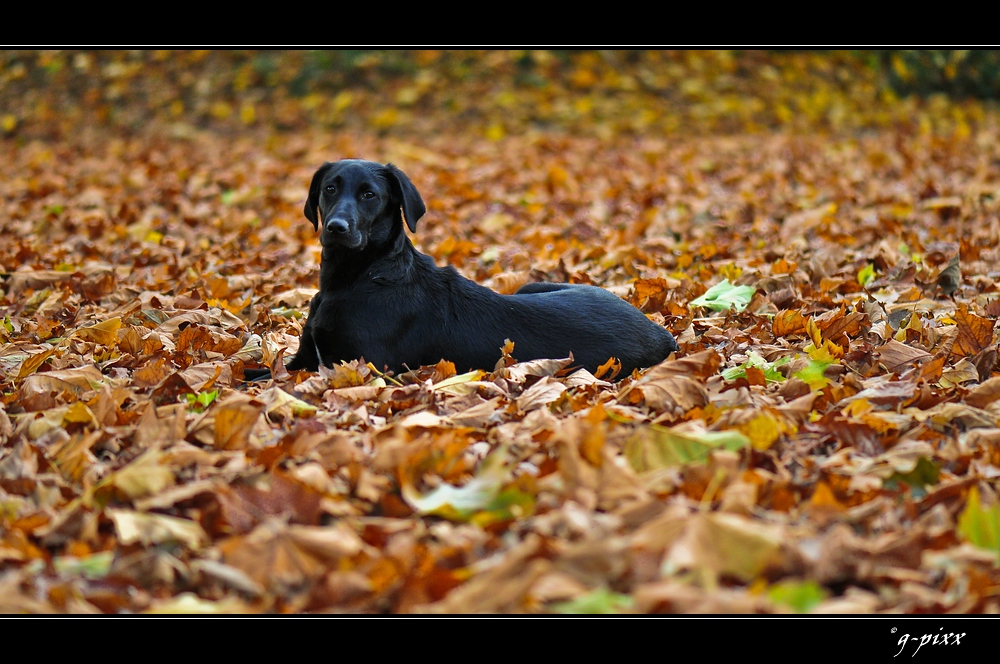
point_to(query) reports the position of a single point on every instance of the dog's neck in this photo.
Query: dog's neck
(343, 267)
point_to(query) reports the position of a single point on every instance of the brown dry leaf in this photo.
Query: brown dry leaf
(673, 386)
(519, 372)
(896, 356)
(41, 390)
(717, 545)
(152, 373)
(788, 322)
(243, 506)
(673, 597)
(73, 456)
(200, 341)
(33, 362)
(161, 425)
(206, 376)
(500, 587)
(540, 394)
(36, 279)
(14, 599)
(804, 221)
(984, 394)
(234, 420)
(974, 332)
(285, 558)
(148, 529)
(146, 476)
(648, 294)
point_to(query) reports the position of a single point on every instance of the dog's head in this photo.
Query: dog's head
(354, 201)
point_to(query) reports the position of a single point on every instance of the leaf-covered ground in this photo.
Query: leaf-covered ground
(826, 440)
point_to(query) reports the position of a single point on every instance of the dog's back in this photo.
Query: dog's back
(544, 320)
(593, 324)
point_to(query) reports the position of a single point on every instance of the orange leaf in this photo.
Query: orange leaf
(974, 332)
(788, 322)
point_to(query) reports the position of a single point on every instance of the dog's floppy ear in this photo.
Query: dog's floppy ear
(409, 197)
(312, 203)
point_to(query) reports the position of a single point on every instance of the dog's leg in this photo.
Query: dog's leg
(308, 355)
(253, 375)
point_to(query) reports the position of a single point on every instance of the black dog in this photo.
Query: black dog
(381, 299)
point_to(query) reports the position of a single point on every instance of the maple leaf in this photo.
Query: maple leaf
(974, 332)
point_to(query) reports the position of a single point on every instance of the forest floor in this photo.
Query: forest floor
(826, 440)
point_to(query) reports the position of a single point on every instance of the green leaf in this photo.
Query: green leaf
(866, 274)
(980, 525)
(287, 312)
(800, 596)
(202, 400)
(924, 474)
(599, 601)
(754, 359)
(656, 447)
(94, 566)
(724, 296)
(813, 373)
(481, 499)
(508, 505)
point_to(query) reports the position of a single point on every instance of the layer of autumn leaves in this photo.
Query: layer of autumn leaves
(827, 439)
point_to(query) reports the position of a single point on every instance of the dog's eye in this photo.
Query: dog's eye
(368, 194)
(331, 188)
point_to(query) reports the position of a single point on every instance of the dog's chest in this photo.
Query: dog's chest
(354, 323)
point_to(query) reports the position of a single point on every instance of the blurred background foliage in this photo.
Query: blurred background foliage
(55, 94)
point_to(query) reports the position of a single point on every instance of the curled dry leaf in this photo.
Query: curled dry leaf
(234, 420)
(148, 529)
(673, 386)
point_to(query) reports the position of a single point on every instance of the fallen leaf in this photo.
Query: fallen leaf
(146, 528)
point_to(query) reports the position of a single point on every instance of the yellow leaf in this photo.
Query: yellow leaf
(81, 414)
(234, 419)
(763, 430)
(459, 385)
(143, 477)
(32, 363)
(104, 333)
(150, 529)
(495, 132)
(857, 408)
(726, 545)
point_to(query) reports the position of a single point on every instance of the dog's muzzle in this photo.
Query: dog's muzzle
(337, 226)
(338, 232)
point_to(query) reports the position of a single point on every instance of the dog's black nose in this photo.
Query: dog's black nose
(336, 226)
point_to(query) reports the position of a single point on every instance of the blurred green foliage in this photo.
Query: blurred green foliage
(957, 73)
(601, 93)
